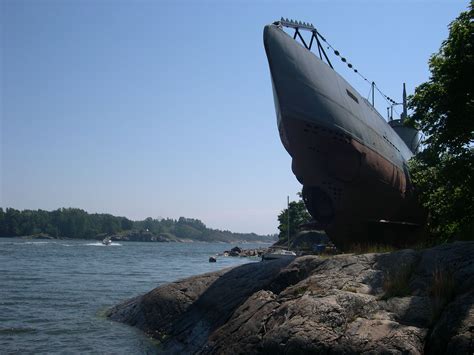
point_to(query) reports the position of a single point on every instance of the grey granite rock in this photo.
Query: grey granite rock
(340, 304)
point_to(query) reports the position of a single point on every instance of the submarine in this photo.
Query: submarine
(351, 162)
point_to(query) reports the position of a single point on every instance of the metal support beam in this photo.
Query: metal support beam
(298, 25)
(302, 39)
(311, 42)
(373, 94)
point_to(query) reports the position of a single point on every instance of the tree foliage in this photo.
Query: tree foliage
(298, 216)
(77, 223)
(443, 109)
(63, 222)
(444, 105)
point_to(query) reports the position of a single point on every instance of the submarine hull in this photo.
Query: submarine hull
(352, 165)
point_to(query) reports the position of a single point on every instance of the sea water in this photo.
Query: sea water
(53, 294)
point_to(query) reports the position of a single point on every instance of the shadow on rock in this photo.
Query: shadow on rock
(183, 314)
(406, 301)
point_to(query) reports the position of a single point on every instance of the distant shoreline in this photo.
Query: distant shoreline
(177, 240)
(74, 223)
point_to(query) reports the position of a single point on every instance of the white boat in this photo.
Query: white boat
(279, 254)
(106, 241)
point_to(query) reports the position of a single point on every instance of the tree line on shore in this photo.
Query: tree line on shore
(77, 223)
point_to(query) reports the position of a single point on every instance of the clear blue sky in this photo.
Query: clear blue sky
(165, 108)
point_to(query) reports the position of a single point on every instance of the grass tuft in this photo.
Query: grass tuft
(299, 291)
(442, 291)
(362, 248)
(397, 282)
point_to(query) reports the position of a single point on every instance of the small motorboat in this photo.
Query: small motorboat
(278, 254)
(212, 259)
(107, 241)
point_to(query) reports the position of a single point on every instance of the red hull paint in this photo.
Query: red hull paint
(363, 185)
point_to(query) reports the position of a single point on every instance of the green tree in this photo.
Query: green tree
(298, 216)
(63, 222)
(12, 222)
(148, 224)
(110, 224)
(443, 108)
(125, 223)
(3, 227)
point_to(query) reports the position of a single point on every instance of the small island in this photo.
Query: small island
(68, 223)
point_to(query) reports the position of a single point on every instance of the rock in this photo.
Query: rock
(142, 236)
(453, 333)
(304, 241)
(235, 251)
(402, 302)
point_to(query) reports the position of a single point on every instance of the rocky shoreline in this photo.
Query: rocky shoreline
(407, 301)
(244, 253)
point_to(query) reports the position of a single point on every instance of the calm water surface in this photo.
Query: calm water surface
(53, 293)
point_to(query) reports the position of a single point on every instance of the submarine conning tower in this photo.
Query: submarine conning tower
(410, 135)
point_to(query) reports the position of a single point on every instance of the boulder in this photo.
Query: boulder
(235, 251)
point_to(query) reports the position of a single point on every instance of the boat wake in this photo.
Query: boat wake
(45, 243)
(100, 244)
(37, 243)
